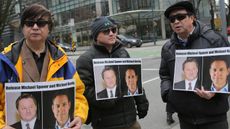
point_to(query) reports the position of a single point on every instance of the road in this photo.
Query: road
(156, 118)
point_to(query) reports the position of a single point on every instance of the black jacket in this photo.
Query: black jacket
(182, 86)
(191, 107)
(18, 125)
(104, 95)
(108, 114)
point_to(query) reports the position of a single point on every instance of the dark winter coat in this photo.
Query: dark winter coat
(108, 114)
(189, 105)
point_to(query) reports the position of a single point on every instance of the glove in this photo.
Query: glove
(165, 96)
(142, 114)
(142, 110)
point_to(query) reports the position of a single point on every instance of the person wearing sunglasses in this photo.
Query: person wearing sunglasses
(199, 109)
(37, 59)
(117, 113)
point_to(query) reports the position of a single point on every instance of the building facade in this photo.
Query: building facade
(140, 18)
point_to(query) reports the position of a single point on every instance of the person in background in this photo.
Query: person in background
(199, 109)
(119, 113)
(37, 59)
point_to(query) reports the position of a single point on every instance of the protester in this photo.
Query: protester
(8, 74)
(37, 59)
(111, 113)
(196, 110)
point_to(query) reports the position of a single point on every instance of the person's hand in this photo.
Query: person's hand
(8, 127)
(76, 123)
(142, 114)
(204, 94)
(142, 110)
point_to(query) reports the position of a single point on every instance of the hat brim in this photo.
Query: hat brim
(180, 5)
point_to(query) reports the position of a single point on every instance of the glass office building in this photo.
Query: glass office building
(141, 18)
(72, 19)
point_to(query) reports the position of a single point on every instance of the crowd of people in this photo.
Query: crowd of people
(37, 59)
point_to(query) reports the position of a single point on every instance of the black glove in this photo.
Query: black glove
(142, 114)
(142, 110)
(165, 96)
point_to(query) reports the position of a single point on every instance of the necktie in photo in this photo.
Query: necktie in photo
(189, 86)
(27, 126)
(111, 93)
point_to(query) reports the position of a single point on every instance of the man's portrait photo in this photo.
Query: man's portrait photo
(58, 108)
(132, 79)
(218, 74)
(26, 106)
(190, 72)
(109, 83)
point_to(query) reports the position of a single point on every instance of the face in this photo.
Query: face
(190, 71)
(36, 32)
(107, 37)
(181, 23)
(60, 108)
(131, 80)
(109, 79)
(27, 109)
(219, 73)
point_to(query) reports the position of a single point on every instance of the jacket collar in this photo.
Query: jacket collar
(103, 49)
(15, 49)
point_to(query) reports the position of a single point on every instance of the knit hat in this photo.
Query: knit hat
(101, 23)
(180, 5)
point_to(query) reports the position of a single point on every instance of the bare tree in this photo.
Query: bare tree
(196, 4)
(6, 7)
(228, 15)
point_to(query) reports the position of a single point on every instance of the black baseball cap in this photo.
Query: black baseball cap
(180, 5)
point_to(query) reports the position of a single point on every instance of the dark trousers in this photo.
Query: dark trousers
(214, 125)
(135, 125)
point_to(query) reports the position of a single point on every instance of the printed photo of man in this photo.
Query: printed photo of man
(219, 71)
(110, 83)
(26, 106)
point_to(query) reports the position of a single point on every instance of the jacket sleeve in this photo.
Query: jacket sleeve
(2, 106)
(81, 104)
(84, 67)
(164, 73)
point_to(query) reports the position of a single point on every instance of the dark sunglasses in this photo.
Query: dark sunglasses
(40, 23)
(107, 31)
(179, 17)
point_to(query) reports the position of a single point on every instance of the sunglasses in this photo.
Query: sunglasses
(107, 31)
(39, 23)
(179, 17)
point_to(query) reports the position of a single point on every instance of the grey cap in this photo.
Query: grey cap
(180, 5)
(101, 23)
